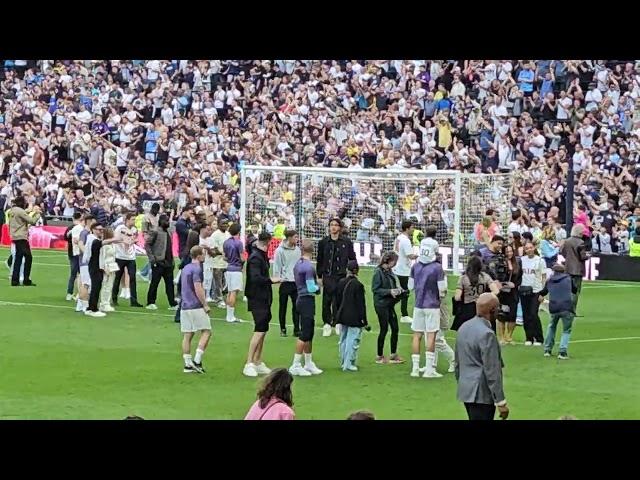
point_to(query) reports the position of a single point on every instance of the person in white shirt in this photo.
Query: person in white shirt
(404, 248)
(206, 242)
(219, 263)
(74, 260)
(586, 133)
(533, 281)
(517, 224)
(127, 235)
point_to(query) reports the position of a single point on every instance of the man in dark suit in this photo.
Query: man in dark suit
(260, 297)
(479, 363)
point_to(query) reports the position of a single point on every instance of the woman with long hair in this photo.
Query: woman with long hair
(385, 296)
(533, 281)
(275, 400)
(517, 244)
(509, 297)
(473, 283)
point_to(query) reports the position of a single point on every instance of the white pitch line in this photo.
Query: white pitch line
(222, 320)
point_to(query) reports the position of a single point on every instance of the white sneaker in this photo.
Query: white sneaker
(352, 368)
(107, 308)
(174, 308)
(452, 368)
(209, 300)
(69, 297)
(312, 368)
(262, 369)
(528, 343)
(245, 299)
(338, 329)
(152, 306)
(79, 308)
(234, 320)
(127, 294)
(299, 371)
(415, 373)
(221, 305)
(431, 374)
(519, 321)
(326, 330)
(250, 370)
(537, 344)
(406, 320)
(91, 313)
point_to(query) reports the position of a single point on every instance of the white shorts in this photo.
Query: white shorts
(426, 320)
(233, 281)
(194, 320)
(85, 278)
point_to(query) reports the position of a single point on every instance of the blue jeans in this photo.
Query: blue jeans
(145, 270)
(74, 264)
(349, 345)
(567, 320)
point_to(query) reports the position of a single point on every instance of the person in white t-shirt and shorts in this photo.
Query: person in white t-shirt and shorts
(404, 248)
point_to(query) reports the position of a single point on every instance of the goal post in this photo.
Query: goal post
(372, 203)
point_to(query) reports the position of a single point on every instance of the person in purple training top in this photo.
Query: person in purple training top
(233, 249)
(194, 312)
(428, 280)
(307, 285)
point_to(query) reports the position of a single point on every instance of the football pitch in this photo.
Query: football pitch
(58, 364)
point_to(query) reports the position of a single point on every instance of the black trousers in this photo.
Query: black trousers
(23, 252)
(130, 265)
(404, 283)
(531, 319)
(329, 303)
(288, 290)
(161, 272)
(387, 318)
(96, 286)
(480, 411)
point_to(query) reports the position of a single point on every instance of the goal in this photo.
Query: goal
(372, 204)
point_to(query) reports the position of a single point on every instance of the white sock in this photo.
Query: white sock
(429, 357)
(198, 357)
(230, 312)
(415, 360)
(307, 359)
(85, 305)
(78, 304)
(187, 359)
(297, 359)
(435, 360)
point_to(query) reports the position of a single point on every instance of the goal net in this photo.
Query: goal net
(372, 204)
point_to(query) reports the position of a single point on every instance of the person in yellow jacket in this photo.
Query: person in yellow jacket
(634, 244)
(279, 229)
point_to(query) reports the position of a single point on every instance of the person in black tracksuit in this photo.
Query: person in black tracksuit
(334, 252)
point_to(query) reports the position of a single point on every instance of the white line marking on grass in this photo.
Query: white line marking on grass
(248, 322)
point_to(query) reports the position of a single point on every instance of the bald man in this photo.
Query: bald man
(479, 363)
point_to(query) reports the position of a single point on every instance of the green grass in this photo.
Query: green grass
(57, 364)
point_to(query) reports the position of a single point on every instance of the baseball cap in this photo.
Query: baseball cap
(428, 250)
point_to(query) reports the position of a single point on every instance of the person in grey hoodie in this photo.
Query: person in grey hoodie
(560, 289)
(287, 254)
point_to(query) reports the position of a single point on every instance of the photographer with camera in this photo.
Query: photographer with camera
(473, 283)
(385, 296)
(495, 264)
(352, 315)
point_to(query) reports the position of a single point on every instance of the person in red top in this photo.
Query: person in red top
(275, 400)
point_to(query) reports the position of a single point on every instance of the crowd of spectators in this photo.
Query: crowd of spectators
(106, 136)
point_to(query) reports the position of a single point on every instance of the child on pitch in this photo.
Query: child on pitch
(429, 282)
(352, 315)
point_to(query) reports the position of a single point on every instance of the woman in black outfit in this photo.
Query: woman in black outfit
(473, 283)
(385, 296)
(509, 297)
